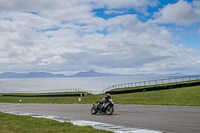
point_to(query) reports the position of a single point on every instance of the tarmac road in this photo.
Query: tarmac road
(178, 119)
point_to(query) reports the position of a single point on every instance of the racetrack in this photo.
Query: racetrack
(179, 119)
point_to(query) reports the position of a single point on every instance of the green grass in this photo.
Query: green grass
(142, 87)
(27, 124)
(187, 96)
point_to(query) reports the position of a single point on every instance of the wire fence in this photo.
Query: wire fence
(153, 82)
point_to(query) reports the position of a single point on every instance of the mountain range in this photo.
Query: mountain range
(30, 75)
(50, 75)
(92, 74)
(80, 74)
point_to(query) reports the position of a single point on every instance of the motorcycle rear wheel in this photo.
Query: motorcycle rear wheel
(109, 110)
(93, 110)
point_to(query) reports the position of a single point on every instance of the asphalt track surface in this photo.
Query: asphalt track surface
(178, 119)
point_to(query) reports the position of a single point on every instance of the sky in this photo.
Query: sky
(108, 36)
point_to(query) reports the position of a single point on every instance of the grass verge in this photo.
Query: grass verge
(186, 96)
(27, 124)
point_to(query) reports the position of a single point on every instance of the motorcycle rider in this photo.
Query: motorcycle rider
(105, 100)
(105, 106)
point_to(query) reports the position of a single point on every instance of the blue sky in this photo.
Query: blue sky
(115, 36)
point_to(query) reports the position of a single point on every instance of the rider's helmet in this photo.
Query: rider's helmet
(108, 95)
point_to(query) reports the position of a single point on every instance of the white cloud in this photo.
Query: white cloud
(115, 12)
(56, 59)
(181, 13)
(67, 36)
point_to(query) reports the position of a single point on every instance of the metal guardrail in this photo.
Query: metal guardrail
(45, 91)
(152, 82)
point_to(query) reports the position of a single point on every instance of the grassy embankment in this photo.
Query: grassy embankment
(186, 96)
(159, 85)
(27, 124)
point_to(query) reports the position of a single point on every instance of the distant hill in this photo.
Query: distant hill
(30, 75)
(91, 74)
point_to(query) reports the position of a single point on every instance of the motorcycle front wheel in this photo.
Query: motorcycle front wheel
(109, 110)
(93, 110)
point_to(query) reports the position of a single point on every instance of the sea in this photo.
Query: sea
(95, 85)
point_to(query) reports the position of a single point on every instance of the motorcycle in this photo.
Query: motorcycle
(107, 108)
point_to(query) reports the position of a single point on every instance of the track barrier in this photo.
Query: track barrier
(49, 95)
(155, 88)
